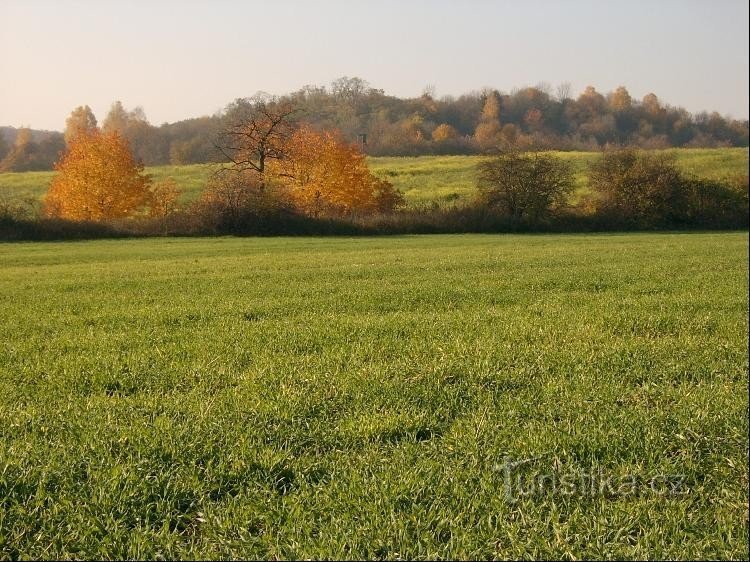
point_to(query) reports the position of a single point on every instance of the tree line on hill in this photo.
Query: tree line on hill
(282, 175)
(527, 118)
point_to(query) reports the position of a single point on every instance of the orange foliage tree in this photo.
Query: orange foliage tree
(444, 132)
(164, 198)
(97, 178)
(326, 175)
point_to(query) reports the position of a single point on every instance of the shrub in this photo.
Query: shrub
(524, 186)
(640, 188)
(164, 197)
(240, 202)
(717, 204)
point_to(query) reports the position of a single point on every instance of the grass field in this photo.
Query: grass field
(424, 180)
(358, 398)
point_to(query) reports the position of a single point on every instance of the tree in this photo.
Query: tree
(164, 196)
(237, 202)
(4, 147)
(562, 93)
(620, 99)
(325, 175)
(651, 104)
(491, 109)
(349, 89)
(256, 131)
(444, 132)
(525, 186)
(487, 132)
(641, 187)
(116, 119)
(81, 121)
(591, 104)
(145, 140)
(25, 155)
(97, 179)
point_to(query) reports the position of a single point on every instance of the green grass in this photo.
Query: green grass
(356, 398)
(424, 179)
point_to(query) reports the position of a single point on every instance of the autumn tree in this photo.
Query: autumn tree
(97, 178)
(145, 141)
(651, 104)
(326, 175)
(444, 132)
(22, 151)
(620, 99)
(487, 132)
(117, 118)
(81, 121)
(164, 196)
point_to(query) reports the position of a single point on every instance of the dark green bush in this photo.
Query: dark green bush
(524, 186)
(637, 189)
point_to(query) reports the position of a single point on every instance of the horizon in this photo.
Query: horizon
(158, 57)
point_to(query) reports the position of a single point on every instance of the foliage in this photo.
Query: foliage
(28, 154)
(424, 180)
(487, 132)
(233, 200)
(4, 147)
(164, 198)
(97, 179)
(713, 202)
(80, 122)
(526, 117)
(525, 185)
(444, 132)
(326, 175)
(143, 138)
(650, 189)
(639, 186)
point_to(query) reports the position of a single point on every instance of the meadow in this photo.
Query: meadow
(424, 180)
(368, 397)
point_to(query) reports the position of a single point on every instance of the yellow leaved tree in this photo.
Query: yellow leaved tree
(97, 178)
(326, 175)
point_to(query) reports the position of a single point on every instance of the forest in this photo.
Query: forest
(539, 118)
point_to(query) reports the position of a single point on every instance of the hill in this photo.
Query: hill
(427, 125)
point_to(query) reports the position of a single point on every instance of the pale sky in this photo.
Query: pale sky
(187, 58)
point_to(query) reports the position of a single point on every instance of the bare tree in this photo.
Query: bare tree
(563, 92)
(256, 130)
(524, 185)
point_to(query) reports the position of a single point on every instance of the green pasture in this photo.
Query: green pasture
(307, 398)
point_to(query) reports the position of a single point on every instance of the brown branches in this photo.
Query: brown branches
(256, 130)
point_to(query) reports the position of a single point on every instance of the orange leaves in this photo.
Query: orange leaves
(444, 132)
(164, 196)
(97, 179)
(324, 174)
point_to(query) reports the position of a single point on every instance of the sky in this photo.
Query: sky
(186, 58)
